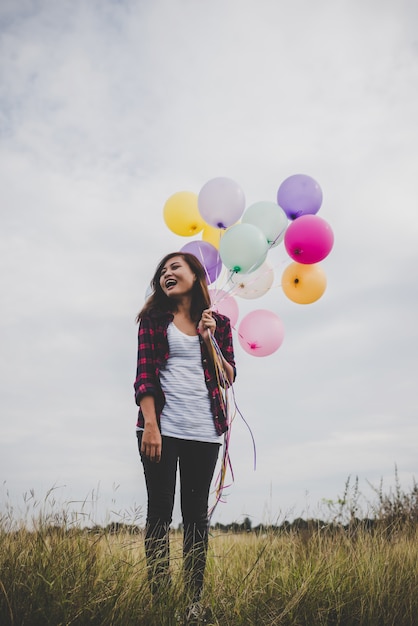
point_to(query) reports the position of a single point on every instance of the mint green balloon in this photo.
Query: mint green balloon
(269, 218)
(243, 248)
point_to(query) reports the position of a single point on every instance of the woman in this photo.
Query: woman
(181, 414)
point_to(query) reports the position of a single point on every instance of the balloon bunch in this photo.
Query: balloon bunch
(236, 240)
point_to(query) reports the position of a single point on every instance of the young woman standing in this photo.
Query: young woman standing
(181, 414)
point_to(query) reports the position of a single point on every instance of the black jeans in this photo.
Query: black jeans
(197, 462)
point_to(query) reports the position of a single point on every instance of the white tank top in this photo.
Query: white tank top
(187, 412)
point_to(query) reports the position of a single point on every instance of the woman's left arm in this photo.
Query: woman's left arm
(206, 326)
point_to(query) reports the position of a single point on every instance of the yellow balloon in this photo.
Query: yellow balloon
(304, 283)
(181, 214)
(212, 235)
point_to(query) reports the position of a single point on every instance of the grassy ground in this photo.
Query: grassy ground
(320, 574)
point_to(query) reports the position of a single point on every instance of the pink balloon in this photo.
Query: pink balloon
(224, 304)
(308, 239)
(261, 332)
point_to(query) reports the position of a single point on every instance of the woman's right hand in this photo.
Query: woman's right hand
(151, 437)
(151, 442)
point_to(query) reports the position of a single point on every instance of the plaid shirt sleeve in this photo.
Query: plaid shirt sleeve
(146, 381)
(223, 335)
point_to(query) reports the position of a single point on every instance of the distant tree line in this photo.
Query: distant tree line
(298, 526)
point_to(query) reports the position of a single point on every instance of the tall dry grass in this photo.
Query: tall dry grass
(56, 573)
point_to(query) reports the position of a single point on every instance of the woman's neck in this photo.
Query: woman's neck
(184, 322)
(183, 308)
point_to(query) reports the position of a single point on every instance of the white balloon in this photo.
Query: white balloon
(254, 285)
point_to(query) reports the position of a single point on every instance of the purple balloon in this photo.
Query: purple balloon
(299, 195)
(221, 202)
(209, 257)
(309, 239)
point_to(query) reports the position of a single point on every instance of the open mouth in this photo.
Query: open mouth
(170, 283)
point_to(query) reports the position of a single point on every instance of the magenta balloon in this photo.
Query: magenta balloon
(221, 202)
(261, 332)
(224, 304)
(209, 257)
(299, 195)
(309, 239)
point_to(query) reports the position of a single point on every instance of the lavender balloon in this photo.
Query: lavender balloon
(209, 257)
(299, 195)
(221, 202)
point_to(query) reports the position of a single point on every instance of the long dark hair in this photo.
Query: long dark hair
(159, 302)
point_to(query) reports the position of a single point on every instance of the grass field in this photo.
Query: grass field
(315, 574)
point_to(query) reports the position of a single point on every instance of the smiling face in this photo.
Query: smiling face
(177, 278)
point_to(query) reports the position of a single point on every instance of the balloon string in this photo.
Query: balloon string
(227, 290)
(231, 409)
(241, 336)
(250, 282)
(234, 289)
(202, 260)
(249, 430)
(272, 243)
(223, 391)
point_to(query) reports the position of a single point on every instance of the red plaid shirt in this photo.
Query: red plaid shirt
(153, 352)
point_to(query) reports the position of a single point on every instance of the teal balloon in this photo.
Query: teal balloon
(243, 248)
(269, 218)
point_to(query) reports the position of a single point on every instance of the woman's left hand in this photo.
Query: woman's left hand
(207, 323)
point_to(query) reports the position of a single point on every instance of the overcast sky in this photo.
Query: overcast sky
(106, 109)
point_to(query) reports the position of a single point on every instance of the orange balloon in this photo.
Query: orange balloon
(181, 214)
(304, 283)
